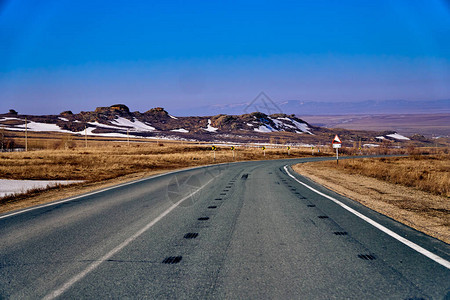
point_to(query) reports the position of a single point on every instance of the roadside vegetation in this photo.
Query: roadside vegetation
(429, 173)
(413, 190)
(105, 162)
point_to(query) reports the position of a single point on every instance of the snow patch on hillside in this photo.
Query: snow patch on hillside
(97, 124)
(398, 136)
(263, 128)
(36, 126)
(135, 125)
(8, 118)
(301, 126)
(180, 130)
(210, 128)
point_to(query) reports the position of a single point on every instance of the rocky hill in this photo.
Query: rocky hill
(118, 121)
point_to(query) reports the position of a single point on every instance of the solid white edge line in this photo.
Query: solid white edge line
(108, 255)
(401, 239)
(7, 215)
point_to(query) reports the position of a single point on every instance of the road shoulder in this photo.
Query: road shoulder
(420, 210)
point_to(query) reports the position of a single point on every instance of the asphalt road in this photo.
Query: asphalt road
(237, 231)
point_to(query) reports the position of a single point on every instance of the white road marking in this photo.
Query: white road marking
(401, 239)
(96, 192)
(108, 255)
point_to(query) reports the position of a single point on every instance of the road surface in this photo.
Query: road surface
(247, 230)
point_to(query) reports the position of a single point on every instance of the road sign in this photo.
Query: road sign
(289, 147)
(263, 147)
(337, 144)
(232, 148)
(336, 140)
(214, 148)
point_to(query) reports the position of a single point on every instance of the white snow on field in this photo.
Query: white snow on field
(262, 128)
(210, 128)
(248, 124)
(173, 117)
(380, 137)
(63, 119)
(8, 187)
(398, 137)
(180, 130)
(135, 124)
(371, 145)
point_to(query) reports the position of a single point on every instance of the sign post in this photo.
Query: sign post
(232, 150)
(289, 150)
(337, 143)
(264, 150)
(214, 151)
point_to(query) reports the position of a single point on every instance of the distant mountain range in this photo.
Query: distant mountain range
(302, 108)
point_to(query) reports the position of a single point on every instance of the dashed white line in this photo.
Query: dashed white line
(389, 232)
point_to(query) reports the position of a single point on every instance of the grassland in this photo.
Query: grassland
(428, 173)
(414, 190)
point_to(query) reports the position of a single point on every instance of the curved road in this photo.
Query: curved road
(248, 230)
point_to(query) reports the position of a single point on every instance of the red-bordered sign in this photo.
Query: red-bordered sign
(336, 140)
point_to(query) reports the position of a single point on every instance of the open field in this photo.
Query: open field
(412, 190)
(407, 124)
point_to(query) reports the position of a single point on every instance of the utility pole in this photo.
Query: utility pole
(26, 135)
(85, 136)
(3, 138)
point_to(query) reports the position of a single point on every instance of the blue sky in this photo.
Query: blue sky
(77, 55)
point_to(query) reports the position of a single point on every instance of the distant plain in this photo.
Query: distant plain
(429, 125)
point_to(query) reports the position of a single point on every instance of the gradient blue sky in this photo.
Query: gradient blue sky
(60, 55)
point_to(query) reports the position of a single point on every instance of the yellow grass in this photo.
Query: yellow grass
(427, 173)
(411, 190)
(100, 163)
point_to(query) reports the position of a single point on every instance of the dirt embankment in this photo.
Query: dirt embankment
(418, 209)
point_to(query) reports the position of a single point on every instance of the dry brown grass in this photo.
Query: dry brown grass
(419, 199)
(107, 161)
(427, 173)
(100, 163)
